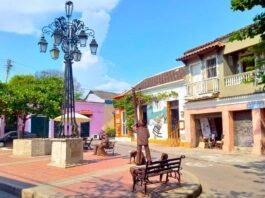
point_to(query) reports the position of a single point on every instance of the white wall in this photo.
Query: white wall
(178, 87)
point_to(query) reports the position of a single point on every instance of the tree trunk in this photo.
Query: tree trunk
(135, 105)
(20, 134)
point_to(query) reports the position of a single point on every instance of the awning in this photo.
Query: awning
(86, 112)
(79, 118)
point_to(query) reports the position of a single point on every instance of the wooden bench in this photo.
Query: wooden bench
(87, 143)
(170, 167)
(110, 147)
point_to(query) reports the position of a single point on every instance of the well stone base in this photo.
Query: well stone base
(31, 147)
(67, 152)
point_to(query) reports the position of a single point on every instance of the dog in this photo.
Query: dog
(133, 155)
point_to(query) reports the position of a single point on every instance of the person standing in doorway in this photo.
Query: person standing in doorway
(142, 140)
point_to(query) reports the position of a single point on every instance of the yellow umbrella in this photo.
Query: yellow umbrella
(78, 117)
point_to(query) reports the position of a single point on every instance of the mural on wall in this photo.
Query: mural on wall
(157, 116)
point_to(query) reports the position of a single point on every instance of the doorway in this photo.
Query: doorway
(84, 129)
(40, 126)
(173, 122)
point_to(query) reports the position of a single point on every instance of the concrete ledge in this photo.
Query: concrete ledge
(12, 186)
(66, 152)
(31, 147)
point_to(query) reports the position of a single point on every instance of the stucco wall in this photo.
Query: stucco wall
(108, 116)
(226, 107)
(161, 107)
(97, 119)
(238, 45)
(2, 125)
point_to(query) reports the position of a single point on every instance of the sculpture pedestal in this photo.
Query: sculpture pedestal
(67, 152)
(31, 147)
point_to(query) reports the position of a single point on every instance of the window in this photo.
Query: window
(211, 68)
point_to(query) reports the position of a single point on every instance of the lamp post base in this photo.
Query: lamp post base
(67, 152)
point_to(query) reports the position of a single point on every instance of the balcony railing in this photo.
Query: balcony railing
(236, 79)
(203, 87)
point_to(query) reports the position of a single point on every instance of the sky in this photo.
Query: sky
(137, 39)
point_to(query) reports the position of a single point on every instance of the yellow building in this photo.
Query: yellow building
(218, 103)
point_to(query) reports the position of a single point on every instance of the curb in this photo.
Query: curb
(13, 187)
(187, 156)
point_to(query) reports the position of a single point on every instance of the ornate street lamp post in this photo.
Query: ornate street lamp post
(69, 34)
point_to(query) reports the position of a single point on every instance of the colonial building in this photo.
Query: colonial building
(218, 102)
(165, 117)
(97, 105)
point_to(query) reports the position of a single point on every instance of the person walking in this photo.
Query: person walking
(142, 140)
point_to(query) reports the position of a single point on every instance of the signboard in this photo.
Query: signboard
(205, 127)
(255, 105)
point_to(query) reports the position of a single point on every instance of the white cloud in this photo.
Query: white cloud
(94, 75)
(28, 17)
(114, 85)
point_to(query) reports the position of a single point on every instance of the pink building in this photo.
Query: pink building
(97, 105)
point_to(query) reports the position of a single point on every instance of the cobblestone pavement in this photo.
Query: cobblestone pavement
(221, 174)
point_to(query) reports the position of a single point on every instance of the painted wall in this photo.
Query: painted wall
(157, 112)
(227, 107)
(108, 116)
(2, 125)
(97, 119)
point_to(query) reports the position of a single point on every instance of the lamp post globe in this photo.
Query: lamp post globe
(69, 7)
(43, 44)
(93, 47)
(83, 38)
(77, 55)
(55, 52)
(57, 36)
(67, 35)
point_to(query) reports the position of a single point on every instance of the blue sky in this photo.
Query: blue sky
(137, 38)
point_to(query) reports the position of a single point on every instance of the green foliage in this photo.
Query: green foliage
(126, 103)
(257, 28)
(110, 132)
(59, 74)
(4, 95)
(243, 5)
(25, 94)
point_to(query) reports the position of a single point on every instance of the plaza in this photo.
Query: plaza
(138, 99)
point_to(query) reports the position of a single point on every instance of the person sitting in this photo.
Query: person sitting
(99, 148)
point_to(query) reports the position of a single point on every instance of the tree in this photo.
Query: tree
(55, 73)
(257, 28)
(30, 95)
(3, 98)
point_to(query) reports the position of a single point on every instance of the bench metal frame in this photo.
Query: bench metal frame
(170, 167)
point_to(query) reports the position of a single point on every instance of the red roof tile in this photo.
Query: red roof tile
(162, 78)
(201, 49)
